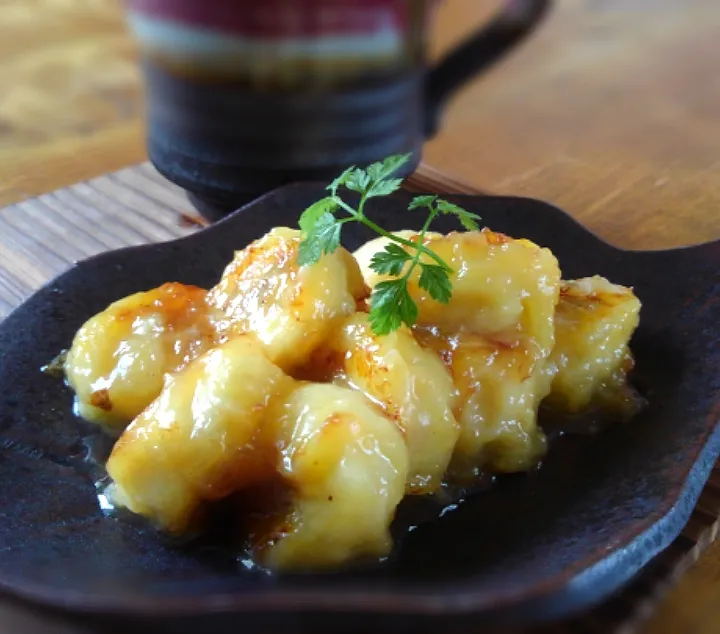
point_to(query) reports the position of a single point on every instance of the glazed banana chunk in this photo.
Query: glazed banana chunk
(119, 358)
(347, 465)
(413, 387)
(202, 439)
(289, 308)
(594, 321)
(501, 384)
(498, 285)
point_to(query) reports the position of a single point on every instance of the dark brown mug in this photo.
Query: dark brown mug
(246, 95)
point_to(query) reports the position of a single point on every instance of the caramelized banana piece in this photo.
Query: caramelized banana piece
(119, 358)
(498, 285)
(201, 439)
(501, 384)
(594, 321)
(346, 465)
(289, 308)
(495, 337)
(413, 387)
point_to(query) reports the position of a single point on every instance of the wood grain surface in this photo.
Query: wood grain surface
(608, 111)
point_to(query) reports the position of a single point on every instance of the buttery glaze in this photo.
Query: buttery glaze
(119, 359)
(411, 385)
(201, 439)
(501, 384)
(594, 321)
(495, 337)
(272, 388)
(289, 308)
(498, 285)
(347, 465)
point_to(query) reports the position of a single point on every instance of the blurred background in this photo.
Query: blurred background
(71, 85)
(69, 71)
(622, 94)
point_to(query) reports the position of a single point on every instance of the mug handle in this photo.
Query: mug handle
(516, 20)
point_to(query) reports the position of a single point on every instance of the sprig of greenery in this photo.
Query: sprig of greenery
(391, 304)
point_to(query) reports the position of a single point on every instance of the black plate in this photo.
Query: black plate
(534, 546)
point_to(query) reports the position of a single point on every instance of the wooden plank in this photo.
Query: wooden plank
(39, 238)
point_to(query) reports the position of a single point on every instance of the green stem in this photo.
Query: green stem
(361, 206)
(386, 234)
(431, 216)
(346, 207)
(421, 236)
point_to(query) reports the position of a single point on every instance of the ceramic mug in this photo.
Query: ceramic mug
(246, 95)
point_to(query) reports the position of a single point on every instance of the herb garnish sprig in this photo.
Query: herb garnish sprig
(390, 303)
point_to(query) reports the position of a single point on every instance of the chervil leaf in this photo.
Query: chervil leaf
(467, 219)
(390, 261)
(375, 171)
(446, 207)
(436, 281)
(391, 302)
(340, 180)
(357, 181)
(323, 238)
(382, 169)
(383, 188)
(391, 306)
(421, 201)
(314, 212)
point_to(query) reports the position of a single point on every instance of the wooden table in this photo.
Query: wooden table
(610, 111)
